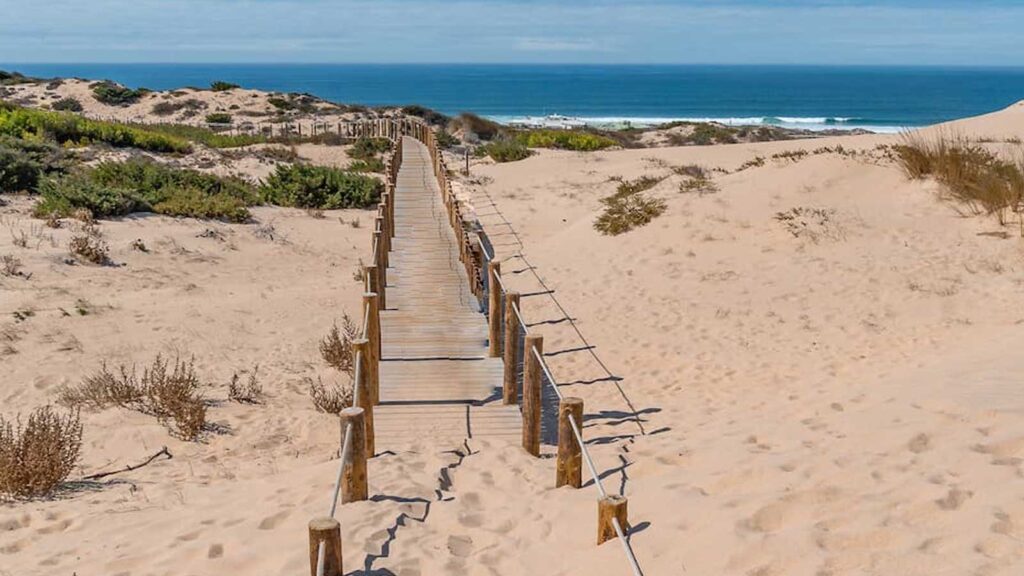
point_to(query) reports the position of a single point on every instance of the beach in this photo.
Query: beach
(802, 368)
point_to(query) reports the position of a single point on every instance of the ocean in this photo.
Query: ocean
(882, 99)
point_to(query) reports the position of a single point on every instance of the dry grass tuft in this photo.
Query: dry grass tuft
(10, 266)
(171, 393)
(980, 181)
(35, 457)
(336, 347)
(250, 392)
(330, 399)
(629, 208)
(89, 245)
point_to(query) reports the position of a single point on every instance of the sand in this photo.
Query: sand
(838, 397)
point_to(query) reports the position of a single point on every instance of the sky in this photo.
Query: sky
(915, 32)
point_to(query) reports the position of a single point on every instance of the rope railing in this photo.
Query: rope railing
(357, 436)
(612, 517)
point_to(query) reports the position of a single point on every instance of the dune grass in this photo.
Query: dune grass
(629, 208)
(578, 140)
(69, 129)
(977, 180)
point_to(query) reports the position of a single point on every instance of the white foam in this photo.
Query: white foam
(815, 124)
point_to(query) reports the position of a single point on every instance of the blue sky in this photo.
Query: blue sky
(935, 32)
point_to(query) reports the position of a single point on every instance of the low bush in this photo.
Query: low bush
(114, 94)
(371, 165)
(139, 185)
(23, 163)
(304, 186)
(88, 245)
(330, 399)
(221, 86)
(505, 151)
(167, 108)
(970, 174)
(218, 118)
(431, 117)
(444, 139)
(65, 128)
(249, 392)
(38, 455)
(336, 348)
(578, 140)
(629, 207)
(169, 392)
(204, 136)
(67, 105)
(367, 148)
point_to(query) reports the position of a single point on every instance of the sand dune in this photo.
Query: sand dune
(832, 396)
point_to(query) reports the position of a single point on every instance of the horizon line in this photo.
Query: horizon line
(550, 64)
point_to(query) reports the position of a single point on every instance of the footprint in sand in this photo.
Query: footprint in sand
(271, 522)
(919, 443)
(954, 499)
(461, 546)
(215, 551)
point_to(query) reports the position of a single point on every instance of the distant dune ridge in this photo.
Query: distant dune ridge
(821, 353)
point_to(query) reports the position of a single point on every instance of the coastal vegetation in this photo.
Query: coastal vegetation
(629, 208)
(37, 455)
(66, 128)
(221, 86)
(218, 118)
(504, 151)
(578, 140)
(305, 186)
(114, 94)
(67, 105)
(139, 185)
(975, 178)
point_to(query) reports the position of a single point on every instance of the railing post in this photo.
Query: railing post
(533, 348)
(510, 394)
(372, 276)
(353, 480)
(328, 531)
(608, 508)
(370, 303)
(364, 392)
(494, 309)
(569, 467)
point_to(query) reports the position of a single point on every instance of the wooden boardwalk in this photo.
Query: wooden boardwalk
(436, 380)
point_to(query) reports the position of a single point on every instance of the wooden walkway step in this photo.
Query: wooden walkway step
(437, 385)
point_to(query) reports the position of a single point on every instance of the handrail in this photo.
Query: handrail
(577, 432)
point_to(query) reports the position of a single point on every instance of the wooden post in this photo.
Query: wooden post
(467, 162)
(494, 309)
(532, 393)
(370, 302)
(609, 507)
(353, 479)
(510, 393)
(327, 530)
(569, 467)
(372, 277)
(361, 348)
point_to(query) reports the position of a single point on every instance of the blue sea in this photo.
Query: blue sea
(813, 97)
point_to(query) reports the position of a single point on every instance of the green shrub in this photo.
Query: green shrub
(203, 135)
(505, 151)
(24, 162)
(704, 134)
(444, 139)
(64, 128)
(367, 148)
(431, 117)
(119, 188)
(564, 139)
(304, 186)
(114, 94)
(218, 118)
(166, 108)
(67, 105)
(221, 86)
(371, 165)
